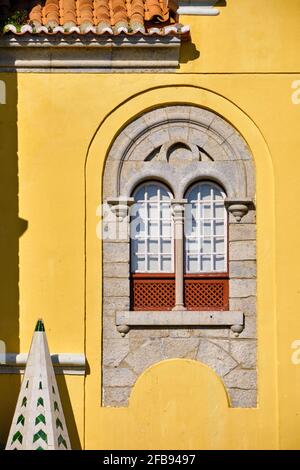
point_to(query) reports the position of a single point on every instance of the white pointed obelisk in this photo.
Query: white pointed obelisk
(39, 422)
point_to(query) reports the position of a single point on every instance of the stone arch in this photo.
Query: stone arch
(149, 137)
(140, 152)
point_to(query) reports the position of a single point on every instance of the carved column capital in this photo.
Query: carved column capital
(120, 206)
(239, 207)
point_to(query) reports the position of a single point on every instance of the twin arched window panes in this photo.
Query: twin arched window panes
(205, 229)
(152, 246)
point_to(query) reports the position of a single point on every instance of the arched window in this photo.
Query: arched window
(205, 229)
(152, 248)
(206, 253)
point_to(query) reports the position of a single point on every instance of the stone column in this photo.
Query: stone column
(178, 217)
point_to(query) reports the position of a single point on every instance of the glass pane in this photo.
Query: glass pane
(153, 264)
(166, 246)
(205, 191)
(218, 228)
(193, 195)
(166, 229)
(153, 229)
(165, 212)
(138, 263)
(164, 194)
(219, 263)
(206, 211)
(217, 193)
(206, 264)
(219, 245)
(137, 229)
(219, 211)
(152, 190)
(192, 264)
(153, 246)
(166, 264)
(153, 211)
(192, 246)
(206, 228)
(138, 247)
(140, 194)
(205, 245)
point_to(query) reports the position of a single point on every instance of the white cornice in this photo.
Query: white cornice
(194, 10)
(89, 54)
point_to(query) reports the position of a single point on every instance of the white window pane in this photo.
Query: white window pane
(206, 264)
(137, 229)
(219, 211)
(153, 229)
(138, 263)
(141, 211)
(205, 191)
(153, 211)
(219, 228)
(192, 246)
(166, 229)
(192, 264)
(206, 212)
(219, 245)
(206, 228)
(153, 246)
(165, 211)
(153, 263)
(138, 247)
(166, 246)
(166, 264)
(219, 263)
(206, 245)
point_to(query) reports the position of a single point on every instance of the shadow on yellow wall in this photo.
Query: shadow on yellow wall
(11, 228)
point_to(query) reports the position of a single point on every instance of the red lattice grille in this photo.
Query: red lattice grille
(208, 294)
(153, 294)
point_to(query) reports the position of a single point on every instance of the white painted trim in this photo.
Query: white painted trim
(197, 11)
(64, 363)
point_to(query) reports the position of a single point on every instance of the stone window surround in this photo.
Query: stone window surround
(223, 143)
(125, 320)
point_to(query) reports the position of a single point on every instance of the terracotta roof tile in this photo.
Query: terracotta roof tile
(92, 16)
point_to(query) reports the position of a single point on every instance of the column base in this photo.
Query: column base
(179, 307)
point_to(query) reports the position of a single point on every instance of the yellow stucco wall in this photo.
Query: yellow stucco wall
(55, 132)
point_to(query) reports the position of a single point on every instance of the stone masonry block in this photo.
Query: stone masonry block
(114, 351)
(180, 347)
(147, 354)
(242, 269)
(112, 287)
(116, 270)
(118, 377)
(241, 232)
(215, 357)
(112, 304)
(116, 396)
(243, 398)
(242, 250)
(242, 287)
(115, 252)
(244, 352)
(245, 305)
(241, 378)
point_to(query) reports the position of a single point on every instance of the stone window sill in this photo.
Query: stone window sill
(183, 318)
